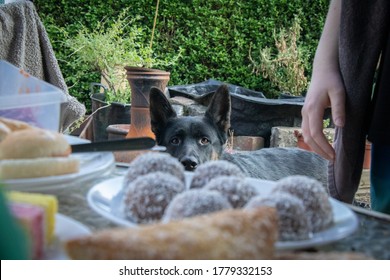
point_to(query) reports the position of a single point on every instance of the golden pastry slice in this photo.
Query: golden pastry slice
(228, 234)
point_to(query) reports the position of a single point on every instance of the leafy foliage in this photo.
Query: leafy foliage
(286, 68)
(108, 48)
(214, 37)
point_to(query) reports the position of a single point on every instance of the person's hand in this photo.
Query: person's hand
(326, 90)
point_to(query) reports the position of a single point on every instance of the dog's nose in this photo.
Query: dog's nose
(189, 163)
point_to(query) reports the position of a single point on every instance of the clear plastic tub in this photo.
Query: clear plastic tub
(27, 98)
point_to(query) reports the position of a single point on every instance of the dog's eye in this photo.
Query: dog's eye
(175, 141)
(204, 141)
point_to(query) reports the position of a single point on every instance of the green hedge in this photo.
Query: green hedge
(215, 35)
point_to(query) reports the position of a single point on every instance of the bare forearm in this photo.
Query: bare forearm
(326, 58)
(326, 86)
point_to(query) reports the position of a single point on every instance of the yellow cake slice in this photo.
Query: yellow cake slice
(48, 202)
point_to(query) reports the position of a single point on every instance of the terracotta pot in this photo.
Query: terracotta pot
(141, 69)
(141, 80)
(119, 131)
(367, 156)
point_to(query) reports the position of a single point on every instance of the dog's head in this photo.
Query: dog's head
(193, 140)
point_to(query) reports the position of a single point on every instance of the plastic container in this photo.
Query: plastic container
(29, 99)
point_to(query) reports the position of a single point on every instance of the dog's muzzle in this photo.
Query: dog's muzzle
(189, 163)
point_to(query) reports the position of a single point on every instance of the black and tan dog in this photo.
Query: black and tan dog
(194, 140)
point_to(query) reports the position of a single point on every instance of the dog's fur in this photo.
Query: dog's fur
(197, 139)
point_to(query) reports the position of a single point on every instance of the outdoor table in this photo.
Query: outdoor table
(372, 237)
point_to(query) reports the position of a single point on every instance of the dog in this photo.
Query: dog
(194, 140)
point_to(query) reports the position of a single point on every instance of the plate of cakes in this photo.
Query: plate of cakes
(156, 189)
(45, 229)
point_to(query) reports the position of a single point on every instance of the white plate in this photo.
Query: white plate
(66, 229)
(100, 199)
(90, 165)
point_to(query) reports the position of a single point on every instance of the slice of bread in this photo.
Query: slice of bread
(38, 167)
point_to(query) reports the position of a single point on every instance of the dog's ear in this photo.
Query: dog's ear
(160, 110)
(219, 108)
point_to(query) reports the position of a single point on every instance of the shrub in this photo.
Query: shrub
(215, 36)
(286, 68)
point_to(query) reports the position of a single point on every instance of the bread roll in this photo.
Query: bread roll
(228, 234)
(29, 152)
(14, 125)
(4, 131)
(38, 167)
(9, 125)
(33, 143)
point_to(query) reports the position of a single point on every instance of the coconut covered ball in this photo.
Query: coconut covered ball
(314, 197)
(145, 199)
(153, 162)
(293, 224)
(237, 190)
(212, 169)
(195, 202)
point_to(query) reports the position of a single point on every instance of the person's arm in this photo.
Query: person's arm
(326, 87)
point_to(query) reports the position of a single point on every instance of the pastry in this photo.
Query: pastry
(229, 234)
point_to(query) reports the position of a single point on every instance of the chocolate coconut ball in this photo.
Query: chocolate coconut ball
(293, 224)
(212, 169)
(146, 197)
(314, 197)
(152, 162)
(237, 190)
(195, 202)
